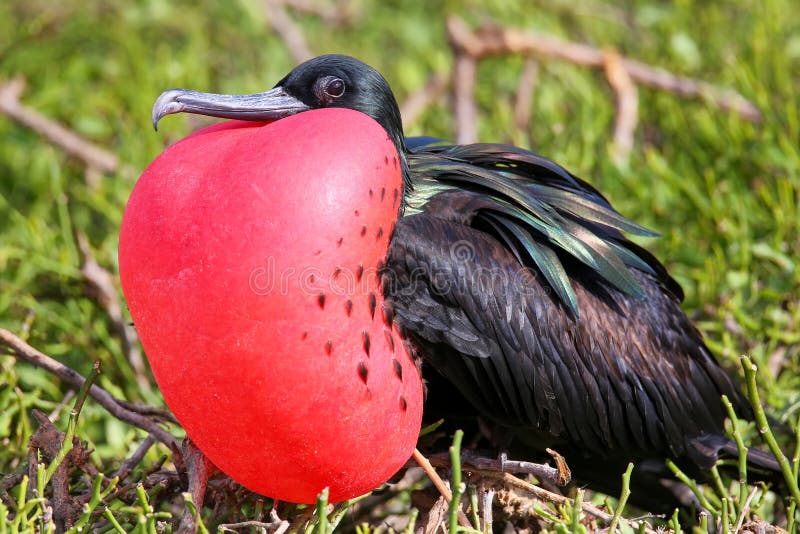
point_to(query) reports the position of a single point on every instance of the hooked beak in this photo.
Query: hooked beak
(270, 105)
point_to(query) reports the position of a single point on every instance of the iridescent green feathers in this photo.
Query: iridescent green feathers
(543, 214)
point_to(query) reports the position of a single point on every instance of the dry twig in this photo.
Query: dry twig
(489, 471)
(97, 159)
(466, 113)
(420, 99)
(493, 40)
(6, 483)
(56, 413)
(283, 25)
(46, 443)
(374, 507)
(559, 476)
(509, 481)
(102, 288)
(523, 101)
(623, 74)
(198, 469)
(486, 494)
(128, 412)
(278, 526)
(333, 13)
(435, 518)
(627, 102)
(135, 459)
(440, 484)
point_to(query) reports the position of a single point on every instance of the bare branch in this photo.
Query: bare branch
(464, 89)
(435, 519)
(627, 102)
(374, 507)
(496, 471)
(8, 482)
(56, 413)
(160, 414)
(494, 40)
(102, 288)
(335, 13)
(95, 157)
(292, 35)
(137, 457)
(199, 469)
(509, 481)
(103, 397)
(523, 102)
(418, 101)
(560, 476)
(278, 526)
(47, 443)
(440, 484)
(486, 494)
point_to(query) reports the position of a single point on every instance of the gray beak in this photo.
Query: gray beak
(270, 105)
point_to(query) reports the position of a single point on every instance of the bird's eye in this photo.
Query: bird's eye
(330, 88)
(334, 88)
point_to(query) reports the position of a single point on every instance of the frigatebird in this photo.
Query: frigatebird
(515, 285)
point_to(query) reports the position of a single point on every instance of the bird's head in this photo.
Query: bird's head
(323, 82)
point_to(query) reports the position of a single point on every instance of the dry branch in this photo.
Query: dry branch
(333, 13)
(494, 40)
(102, 288)
(524, 98)
(8, 482)
(120, 410)
(44, 444)
(278, 527)
(419, 100)
(56, 413)
(622, 73)
(558, 476)
(464, 94)
(510, 482)
(491, 472)
(136, 458)
(440, 484)
(283, 25)
(97, 159)
(198, 469)
(435, 518)
(486, 498)
(627, 103)
(378, 505)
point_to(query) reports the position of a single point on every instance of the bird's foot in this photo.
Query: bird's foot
(275, 525)
(559, 475)
(198, 470)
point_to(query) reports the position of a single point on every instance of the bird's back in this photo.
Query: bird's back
(515, 283)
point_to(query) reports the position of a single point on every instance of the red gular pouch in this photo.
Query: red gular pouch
(249, 257)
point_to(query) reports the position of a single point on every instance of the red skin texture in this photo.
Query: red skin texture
(228, 241)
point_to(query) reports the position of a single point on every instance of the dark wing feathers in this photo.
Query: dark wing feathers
(612, 380)
(541, 212)
(616, 367)
(545, 258)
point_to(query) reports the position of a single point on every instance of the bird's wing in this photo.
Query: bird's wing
(420, 141)
(542, 213)
(631, 373)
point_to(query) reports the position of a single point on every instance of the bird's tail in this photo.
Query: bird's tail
(758, 461)
(761, 465)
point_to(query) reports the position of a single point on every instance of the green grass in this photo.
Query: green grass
(724, 193)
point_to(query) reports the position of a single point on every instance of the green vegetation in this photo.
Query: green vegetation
(723, 192)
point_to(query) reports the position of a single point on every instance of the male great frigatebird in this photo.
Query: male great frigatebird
(514, 284)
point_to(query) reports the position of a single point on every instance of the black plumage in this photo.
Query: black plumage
(515, 285)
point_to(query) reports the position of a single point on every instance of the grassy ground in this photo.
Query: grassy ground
(723, 192)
